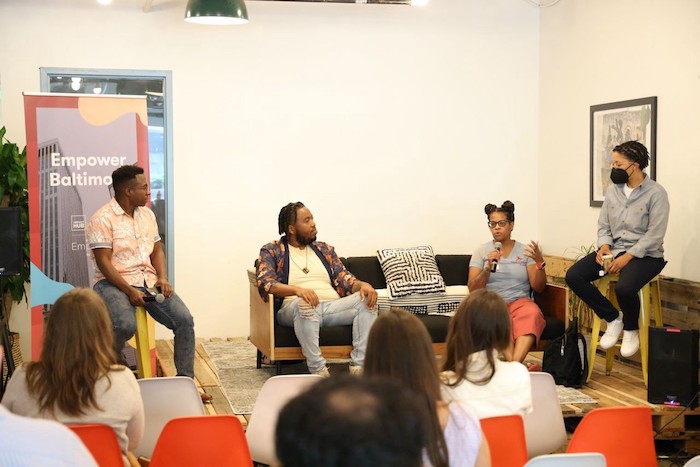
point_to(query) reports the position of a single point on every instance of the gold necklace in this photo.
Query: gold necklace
(305, 269)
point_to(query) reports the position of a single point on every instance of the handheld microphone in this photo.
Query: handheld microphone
(494, 262)
(153, 295)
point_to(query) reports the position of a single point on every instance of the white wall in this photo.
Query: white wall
(598, 51)
(394, 124)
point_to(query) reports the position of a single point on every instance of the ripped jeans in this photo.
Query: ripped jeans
(343, 311)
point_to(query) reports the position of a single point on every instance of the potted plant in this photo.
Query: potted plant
(13, 192)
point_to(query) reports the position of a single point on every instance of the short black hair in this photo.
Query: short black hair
(123, 175)
(288, 216)
(352, 421)
(508, 208)
(635, 152)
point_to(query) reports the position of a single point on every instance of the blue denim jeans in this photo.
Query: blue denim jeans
(172, 313)
(343, 311)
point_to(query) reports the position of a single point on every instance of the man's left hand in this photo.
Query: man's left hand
(164, 287)
(619, 263)
(368, 292)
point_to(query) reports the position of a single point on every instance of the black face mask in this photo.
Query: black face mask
(619, 175)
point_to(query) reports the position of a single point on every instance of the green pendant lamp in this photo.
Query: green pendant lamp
(216, 12)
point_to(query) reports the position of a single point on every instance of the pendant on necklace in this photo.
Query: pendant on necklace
(305, 270)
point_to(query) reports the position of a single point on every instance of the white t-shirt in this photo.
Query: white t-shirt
(28, 442)
(120, 401)
(316, 278)
(509, 391)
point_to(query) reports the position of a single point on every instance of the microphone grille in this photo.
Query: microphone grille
(498, 245)
(160, 298)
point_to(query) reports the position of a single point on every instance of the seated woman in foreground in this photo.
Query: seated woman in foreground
(513, 270)
(472, 372)
(77, 379)
(400, 347)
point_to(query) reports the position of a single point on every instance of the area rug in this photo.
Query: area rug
(234, 361)
(573, 396)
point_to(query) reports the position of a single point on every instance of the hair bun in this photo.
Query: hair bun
(508, 206)
(489, 208)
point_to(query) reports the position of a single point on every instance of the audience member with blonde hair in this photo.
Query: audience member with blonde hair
(400, 347)
(472, 372)
(77, 380)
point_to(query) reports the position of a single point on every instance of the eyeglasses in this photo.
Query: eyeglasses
(502, 223)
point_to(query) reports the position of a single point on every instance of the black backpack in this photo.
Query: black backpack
(566, 357)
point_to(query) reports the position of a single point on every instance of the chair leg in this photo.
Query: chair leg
(644, 321)
(278, 367)
(609, 360)
(595, 331)
(258, 359)
(655, 292)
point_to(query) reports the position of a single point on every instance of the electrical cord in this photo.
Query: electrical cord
(685, 408)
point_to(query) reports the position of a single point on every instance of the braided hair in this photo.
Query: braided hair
(508, 208)
(635, 152)
(288, 216)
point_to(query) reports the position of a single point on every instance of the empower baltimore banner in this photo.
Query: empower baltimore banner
(74, 143)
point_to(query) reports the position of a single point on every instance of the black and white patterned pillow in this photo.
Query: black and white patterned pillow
(410, 271)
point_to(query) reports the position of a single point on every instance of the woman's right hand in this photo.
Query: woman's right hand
(494, 255)
(602, 251)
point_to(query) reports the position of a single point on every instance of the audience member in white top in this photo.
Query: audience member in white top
(472, 371)
(77, 380)
(27, 442)
(400, 347)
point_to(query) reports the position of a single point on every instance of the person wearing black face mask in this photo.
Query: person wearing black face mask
(631, 228)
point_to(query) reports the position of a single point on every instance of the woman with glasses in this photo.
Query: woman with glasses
(513, 270)
(631, 228)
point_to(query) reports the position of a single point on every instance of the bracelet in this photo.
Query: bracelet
(540, 266)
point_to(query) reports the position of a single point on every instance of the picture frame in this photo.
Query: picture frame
(613, 124)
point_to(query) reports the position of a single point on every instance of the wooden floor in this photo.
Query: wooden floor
(623, 387)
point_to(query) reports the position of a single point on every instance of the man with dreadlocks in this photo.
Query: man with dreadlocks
(312, 288)
(631, 228)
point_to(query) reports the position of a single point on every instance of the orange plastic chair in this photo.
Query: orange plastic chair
(624, 435)
(202, 440)
(102, 443)
(506, 438)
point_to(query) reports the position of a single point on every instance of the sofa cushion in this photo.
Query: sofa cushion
(454, 268)
(425, 304)
(366, 269)
(410, 271)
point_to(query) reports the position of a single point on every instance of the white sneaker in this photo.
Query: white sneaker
(612, 333)
(324, 372)
(355, 370)
(630, 343)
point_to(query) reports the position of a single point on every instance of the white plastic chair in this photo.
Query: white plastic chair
(275, 393)
(582, 459)
(164, 399)
(694, 462)
(544, 426)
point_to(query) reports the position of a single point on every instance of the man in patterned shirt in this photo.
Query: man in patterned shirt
(312, 288)
(123, 236)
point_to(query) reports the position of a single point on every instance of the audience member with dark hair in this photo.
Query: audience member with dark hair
(400, 347)
(129, 259)
(472, 372)
(77, 379)
(631, 228)
(349, 422)
(312, 288)
(513, 270)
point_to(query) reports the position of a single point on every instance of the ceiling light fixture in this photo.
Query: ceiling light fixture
(216, 12)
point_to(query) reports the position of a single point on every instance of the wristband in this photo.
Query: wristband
(540, 266)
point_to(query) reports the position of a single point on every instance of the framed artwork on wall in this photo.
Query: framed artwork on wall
(613, 124)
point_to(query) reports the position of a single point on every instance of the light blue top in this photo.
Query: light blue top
(510, 280)
(30, 442)
(462, 436)
(636, 224)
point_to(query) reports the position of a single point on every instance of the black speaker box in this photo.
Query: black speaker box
(673, 366)
(10, 241)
